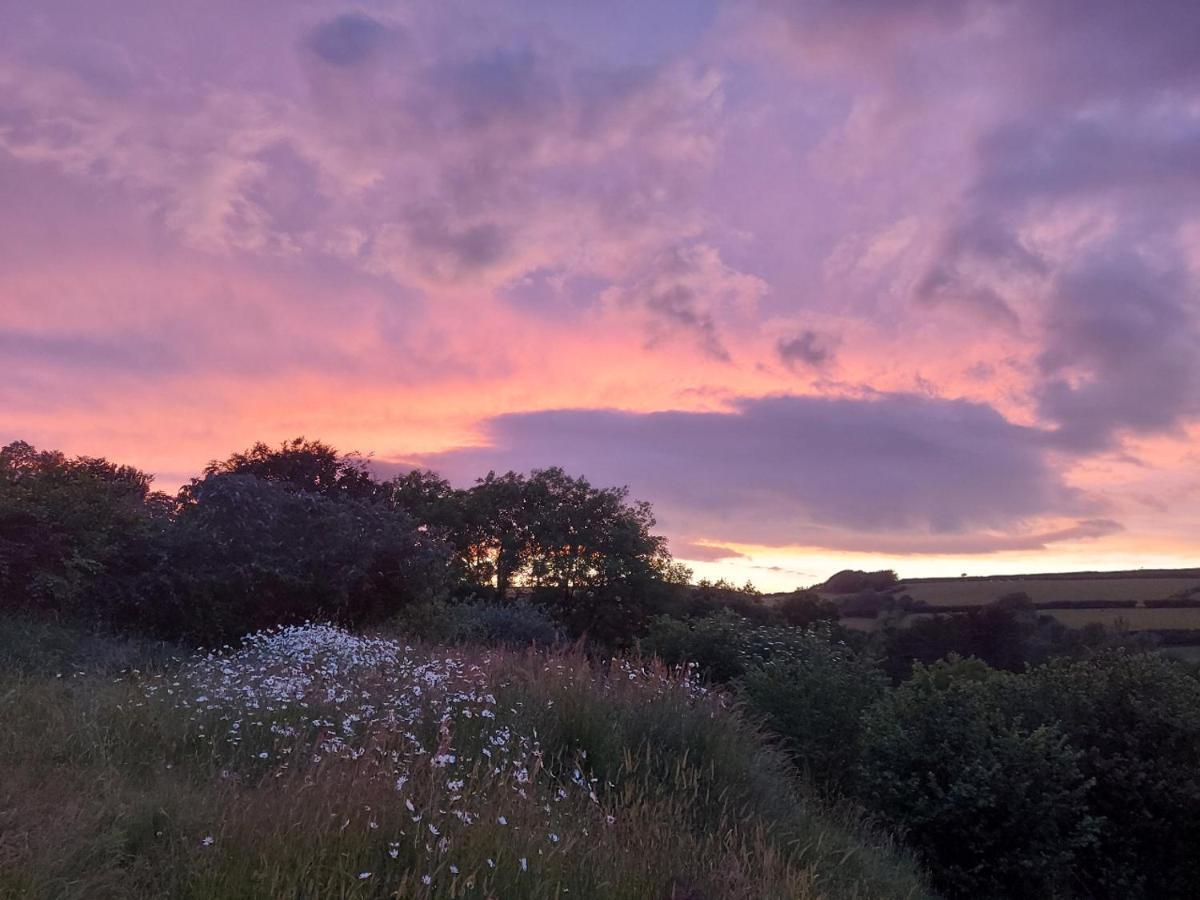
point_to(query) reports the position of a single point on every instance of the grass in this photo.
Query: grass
(316, 764)
(1042, 590)
(1133, 619)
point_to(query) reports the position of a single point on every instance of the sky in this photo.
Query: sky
(858, 284)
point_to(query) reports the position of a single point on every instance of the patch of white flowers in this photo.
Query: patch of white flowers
(297, 696)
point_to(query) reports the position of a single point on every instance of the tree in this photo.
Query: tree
(299, 464)
(804, 609)
(248, 553)
(587, 553)
(73, 531)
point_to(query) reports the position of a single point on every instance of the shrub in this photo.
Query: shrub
(1135, 720)
(805, 609)
(813, 695)
(715, 644)
(995, 807)
(999, 636)
(479, 622)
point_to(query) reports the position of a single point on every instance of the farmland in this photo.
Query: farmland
(1070, 587)
(1160, 606)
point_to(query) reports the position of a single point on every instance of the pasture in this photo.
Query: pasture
(1050, 588)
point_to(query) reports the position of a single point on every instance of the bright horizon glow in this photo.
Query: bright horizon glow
(867, 285)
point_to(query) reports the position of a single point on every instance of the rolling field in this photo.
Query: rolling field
(1139, 589)
(1134, 619)
(1042, 589)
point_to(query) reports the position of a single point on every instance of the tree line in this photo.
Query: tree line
(296, 532)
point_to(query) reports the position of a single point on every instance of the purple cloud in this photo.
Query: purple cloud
(894, 470)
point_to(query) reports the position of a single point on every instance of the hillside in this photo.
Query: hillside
(314, 762)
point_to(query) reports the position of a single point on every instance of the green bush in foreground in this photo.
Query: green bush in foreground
(1135, 721)
(813, 694)
(994, 806)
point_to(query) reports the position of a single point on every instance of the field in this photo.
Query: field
(1047, 589)
(1092, 598)
(316, 763)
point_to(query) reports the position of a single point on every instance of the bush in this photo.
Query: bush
(999, 636)
(813, 695)
(994, 806)
(1135, 719)
(480, 622)
(715, 643)
(805, 609)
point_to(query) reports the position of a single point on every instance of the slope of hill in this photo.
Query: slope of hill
(314, 762)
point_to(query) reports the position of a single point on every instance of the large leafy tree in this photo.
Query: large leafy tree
(249, 553)
(73, 530)
(589, 553)
(299, 464)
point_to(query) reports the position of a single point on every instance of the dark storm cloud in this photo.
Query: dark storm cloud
(779, 470)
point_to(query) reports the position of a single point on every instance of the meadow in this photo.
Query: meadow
(314, 762)
(1052, 588)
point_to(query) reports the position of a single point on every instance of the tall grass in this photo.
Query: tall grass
(321, 765)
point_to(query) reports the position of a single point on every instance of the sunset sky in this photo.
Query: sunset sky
(832, 284)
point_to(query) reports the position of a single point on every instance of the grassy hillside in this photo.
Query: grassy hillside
(317, 763)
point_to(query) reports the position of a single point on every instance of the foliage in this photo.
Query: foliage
(813, 694)
(806, 609)
(72, 531)
(311, 467)
(852, 581)
(1135, 720)
(995, 806)
(707, 597)
(479, 622)
(247, 553)
(997, 634)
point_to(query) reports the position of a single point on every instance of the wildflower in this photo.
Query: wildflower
(363, 876)
(491, 863)
(207, 841)
(524, 864)
(553, 838)
(453, 869)
(502, 820)
(426, 879)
